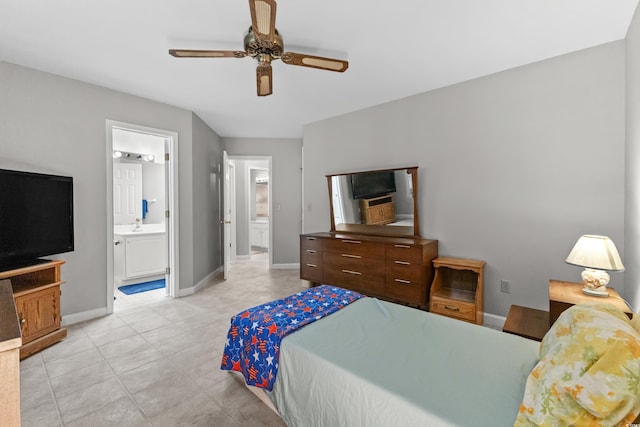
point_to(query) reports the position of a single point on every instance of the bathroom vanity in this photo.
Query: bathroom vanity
(259, 233)
(139, 255)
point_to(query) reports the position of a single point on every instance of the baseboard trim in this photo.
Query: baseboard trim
(493, 321)
(291, 266)
(201, 284)
(183, 292)
(83, 316)
(204, 282)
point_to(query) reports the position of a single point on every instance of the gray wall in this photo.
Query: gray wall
(242, 210)
(514, 167)
(53, 124)
(207, 201)
(632, 193)
(286, 161)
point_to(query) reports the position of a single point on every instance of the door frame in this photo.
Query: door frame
(171, 177)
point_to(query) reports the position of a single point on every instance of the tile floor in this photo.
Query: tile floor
(155, 360)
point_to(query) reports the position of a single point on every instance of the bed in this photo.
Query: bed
(375, 363)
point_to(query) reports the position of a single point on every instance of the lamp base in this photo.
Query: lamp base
(595, 282)
(596, 292)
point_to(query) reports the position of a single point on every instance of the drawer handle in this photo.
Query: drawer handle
(452, 307)
(311, 238)
(351, 256)
(23, 321)
(357, 273)
(406, 282)
(402, 246)
(311, 265)
(311, 251)
(402, 262)
(352, 241)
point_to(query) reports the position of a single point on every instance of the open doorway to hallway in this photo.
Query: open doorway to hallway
(251, 208)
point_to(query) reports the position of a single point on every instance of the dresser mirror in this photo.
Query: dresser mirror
(379, 202)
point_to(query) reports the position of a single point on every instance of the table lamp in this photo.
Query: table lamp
(596, 254)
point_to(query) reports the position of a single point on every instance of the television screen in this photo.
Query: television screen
(372, 184)
(36, 216)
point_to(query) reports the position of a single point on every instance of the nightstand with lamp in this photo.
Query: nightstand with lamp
(597, 254)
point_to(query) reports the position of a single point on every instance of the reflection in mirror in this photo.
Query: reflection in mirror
(260, 187)
(376, 202)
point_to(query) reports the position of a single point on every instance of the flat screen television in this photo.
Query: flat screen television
(372, 184)
(36, 216)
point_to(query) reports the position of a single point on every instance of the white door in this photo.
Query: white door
(127, 193)
(226, 219)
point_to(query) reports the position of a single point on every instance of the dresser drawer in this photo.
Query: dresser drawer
(406, 282)
(357, 274)
(310, 253)
(355, 248)
(404, 271)
(412, 292)
(403, 252)
(311, 266)
(310, 243)
(453, 308)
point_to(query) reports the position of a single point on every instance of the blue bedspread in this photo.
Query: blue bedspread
(253, 341)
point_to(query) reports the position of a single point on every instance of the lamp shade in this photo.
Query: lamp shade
(597, 252)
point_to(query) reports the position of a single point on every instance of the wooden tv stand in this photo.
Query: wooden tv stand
(36, 291)
(378, 210)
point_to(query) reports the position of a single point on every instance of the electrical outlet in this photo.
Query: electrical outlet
(505, 286)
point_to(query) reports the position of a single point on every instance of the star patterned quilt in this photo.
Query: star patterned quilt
(253, 341)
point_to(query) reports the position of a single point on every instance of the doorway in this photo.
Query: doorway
(251, 209)
(141, 180)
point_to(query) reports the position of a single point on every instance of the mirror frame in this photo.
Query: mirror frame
(379, 230)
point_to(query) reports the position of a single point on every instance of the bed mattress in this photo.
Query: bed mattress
(375, 363)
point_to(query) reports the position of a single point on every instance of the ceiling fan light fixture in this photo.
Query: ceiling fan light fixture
(263, 74)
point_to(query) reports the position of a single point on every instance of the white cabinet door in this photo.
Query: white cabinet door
(145, 255)
(127, 193)
(259, 233)
(264, 236)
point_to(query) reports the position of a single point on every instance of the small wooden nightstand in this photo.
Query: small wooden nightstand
(563, 295)
(527, 322)
(458, 289)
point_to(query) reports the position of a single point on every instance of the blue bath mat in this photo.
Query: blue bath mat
(142, 287)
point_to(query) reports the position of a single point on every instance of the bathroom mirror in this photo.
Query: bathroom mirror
(380, 202)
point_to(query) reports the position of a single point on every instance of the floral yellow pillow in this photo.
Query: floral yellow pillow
(635, 322)
(588, 373)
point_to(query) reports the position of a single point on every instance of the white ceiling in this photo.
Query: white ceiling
(395, 49)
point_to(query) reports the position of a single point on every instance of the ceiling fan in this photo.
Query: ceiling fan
(264, 43)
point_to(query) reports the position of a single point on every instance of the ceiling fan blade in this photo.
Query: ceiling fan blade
(263, 78)
(186, 53)
(263, 18)
(320, 62)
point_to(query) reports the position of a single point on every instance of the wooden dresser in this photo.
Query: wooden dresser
(393, 268)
